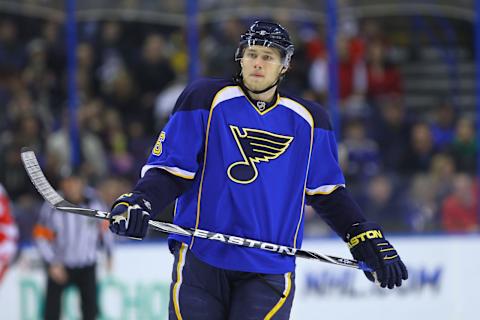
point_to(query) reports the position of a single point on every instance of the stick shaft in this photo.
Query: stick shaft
(38, 179)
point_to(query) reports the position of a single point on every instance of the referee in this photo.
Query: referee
(68, 244)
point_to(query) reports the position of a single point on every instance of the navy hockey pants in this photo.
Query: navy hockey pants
(200, 291)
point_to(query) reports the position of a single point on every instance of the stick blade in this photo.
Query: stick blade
(30, 163)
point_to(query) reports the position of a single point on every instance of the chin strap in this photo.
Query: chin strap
(238, 79)
(260, 91)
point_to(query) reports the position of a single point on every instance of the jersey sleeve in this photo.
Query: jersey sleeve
(180, 145)
(8, 231)
(105, 236)
(44, 235)
(324, 174)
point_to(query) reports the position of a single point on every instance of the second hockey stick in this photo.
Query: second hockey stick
(41, 183)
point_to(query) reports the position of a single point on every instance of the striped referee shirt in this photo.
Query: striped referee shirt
(70, 239)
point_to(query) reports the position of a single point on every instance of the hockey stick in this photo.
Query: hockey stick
(38, 179)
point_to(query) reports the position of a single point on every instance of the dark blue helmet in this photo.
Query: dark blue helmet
(267, 34)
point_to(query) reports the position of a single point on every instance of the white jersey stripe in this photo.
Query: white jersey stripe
(173, 170)
(226, 94)
(9, 230)
(297, 108)
(326, 189)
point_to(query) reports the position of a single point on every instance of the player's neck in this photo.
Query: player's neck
(266, 96)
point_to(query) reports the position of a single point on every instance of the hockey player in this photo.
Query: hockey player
(8, 233)
(242, 158)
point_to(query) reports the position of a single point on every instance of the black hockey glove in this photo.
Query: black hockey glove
(366, 243)
(130, 215)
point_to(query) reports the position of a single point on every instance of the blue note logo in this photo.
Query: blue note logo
(255, 146)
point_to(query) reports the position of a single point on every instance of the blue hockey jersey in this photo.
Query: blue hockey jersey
(252, 166)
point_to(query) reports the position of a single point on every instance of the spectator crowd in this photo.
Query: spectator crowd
(412, 172)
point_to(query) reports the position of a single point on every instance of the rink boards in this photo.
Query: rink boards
(443, 283)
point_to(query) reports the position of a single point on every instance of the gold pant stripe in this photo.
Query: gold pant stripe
(176, 287)
(286, 292)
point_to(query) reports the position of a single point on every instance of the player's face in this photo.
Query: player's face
(261, 66)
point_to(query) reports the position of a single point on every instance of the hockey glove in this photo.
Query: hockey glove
(130, 215)
(366, 243)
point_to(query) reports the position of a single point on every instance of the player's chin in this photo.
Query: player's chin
(256, 84)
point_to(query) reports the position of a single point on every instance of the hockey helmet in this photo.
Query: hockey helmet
(267, 34)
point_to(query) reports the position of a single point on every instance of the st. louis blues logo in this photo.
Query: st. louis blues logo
(255, 146)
